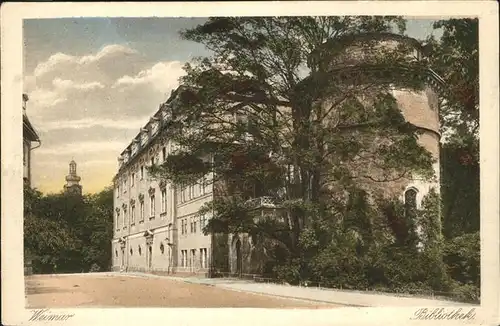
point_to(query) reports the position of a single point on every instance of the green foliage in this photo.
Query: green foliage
(460, 188)
(467, 293)
(462, 257)
(455, 57)
(68, 233)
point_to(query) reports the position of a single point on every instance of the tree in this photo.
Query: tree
(98, 231)
(272, 115)
(68, 233)
(455, 57)
(49, 242)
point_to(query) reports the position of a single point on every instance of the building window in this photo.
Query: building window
(142, 172)
(411, 203)
(184, 194)
(191, 192)
(194, 225)
(132, 179)
(132, 215)
(118, 219)
(140, 251)
(203, 222)
(124, 185)
(124, 217)
(162, 248)
(164, 154)
(116, 253)
(191, 225)
(203, 258)
(183, 258)
(192, 261)
(141, 205)
(163, 200)
(152, 206)
(131, 251)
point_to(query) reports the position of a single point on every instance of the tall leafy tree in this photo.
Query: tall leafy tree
(455, 57)
(284, 110)
(68, 233)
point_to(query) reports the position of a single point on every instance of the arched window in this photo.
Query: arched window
(411, 202)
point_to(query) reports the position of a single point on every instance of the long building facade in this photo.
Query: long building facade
(156, 225)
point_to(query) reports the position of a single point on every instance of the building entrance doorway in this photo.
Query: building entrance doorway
(239, 260)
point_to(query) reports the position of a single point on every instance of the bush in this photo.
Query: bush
(94, 268)
(462, 258)
(466, 293)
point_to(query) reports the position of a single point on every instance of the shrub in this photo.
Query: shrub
(466, 293)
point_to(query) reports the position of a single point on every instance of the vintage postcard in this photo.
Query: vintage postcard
(281, 163)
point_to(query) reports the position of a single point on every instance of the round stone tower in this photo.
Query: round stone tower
(393, 62)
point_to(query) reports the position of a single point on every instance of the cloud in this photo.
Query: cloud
(108, 52)
(65, 85)
(61, 60)
(92, 122)
(163, 75)
(82, 148)
(56, 60)
(90, 106)
(116, 82)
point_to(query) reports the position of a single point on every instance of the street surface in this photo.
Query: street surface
(94, 290)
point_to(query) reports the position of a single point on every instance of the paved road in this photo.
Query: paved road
(121, 290)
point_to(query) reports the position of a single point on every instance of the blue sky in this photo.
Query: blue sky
(93, 82)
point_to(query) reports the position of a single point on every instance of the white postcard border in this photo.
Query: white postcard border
(13, 299)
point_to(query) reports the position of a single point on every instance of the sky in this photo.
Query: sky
(94, 82)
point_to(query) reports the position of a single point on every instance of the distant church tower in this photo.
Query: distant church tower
(73, 180)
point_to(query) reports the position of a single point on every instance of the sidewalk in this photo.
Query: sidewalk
(348, 298)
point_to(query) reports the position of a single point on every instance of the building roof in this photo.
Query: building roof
(145, 129)
(29, 132)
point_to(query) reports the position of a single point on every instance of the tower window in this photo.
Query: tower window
(411, 203)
